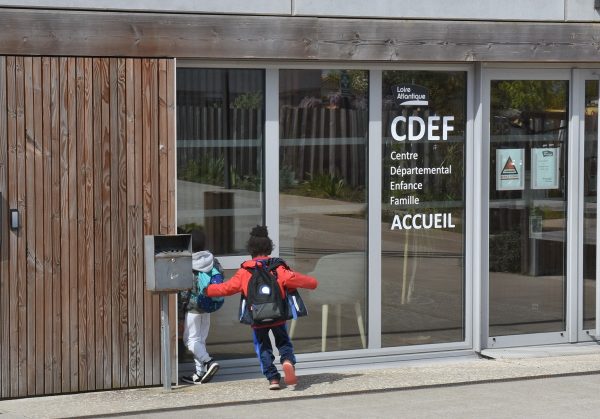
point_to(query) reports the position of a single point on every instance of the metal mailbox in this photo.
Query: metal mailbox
(168, 262)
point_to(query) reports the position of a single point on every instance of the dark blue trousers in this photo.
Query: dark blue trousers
(264, 349)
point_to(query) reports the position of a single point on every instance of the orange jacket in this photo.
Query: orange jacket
(287, 279)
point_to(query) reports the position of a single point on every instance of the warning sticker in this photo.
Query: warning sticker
(509, 171)
(510, 167)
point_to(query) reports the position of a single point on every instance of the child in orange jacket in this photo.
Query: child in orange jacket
(260, 247)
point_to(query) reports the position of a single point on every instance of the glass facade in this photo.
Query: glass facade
(220, 176)
(220, 159)
(423, 203)
(590, 188)
(419, 232)
(323, 131)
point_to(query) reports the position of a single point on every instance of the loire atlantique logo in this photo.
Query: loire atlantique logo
(410, 95)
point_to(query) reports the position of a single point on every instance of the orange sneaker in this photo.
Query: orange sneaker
(289, 373)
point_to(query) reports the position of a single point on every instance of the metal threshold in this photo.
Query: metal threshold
(542, 351)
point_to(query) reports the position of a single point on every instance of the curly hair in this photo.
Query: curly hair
(259, 243)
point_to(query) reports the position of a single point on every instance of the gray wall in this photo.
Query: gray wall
(530, 10)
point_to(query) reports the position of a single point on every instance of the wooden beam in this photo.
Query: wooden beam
(220, 37)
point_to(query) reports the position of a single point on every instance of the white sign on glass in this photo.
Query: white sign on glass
(510, 169)
(544, 168)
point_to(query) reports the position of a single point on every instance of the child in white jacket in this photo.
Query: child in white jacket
(196, 324)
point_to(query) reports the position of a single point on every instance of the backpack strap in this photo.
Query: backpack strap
(217, 265)
(259, 264)
(274, 263)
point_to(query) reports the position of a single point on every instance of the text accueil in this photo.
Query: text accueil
(422, 221)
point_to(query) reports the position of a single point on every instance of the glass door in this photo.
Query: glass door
(586, 105)
(527, 116)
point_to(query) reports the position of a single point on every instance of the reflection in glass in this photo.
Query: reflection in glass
(422, 230)
(220, 120)
(220, 123)
(590, 193)
(323, 120)
(527, 224)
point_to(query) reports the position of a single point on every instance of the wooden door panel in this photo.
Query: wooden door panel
(82, 143)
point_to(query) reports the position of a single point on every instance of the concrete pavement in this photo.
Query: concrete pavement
(357, 381)
(559, 397)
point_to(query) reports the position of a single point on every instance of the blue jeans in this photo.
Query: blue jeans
(264, 350)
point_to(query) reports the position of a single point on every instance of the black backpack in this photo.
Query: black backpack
(264, 302)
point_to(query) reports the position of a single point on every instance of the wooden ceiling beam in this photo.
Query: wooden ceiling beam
(223, 37)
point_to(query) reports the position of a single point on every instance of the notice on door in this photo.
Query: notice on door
(544, 168)
(510, 169)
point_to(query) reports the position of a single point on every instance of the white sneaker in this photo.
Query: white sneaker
(211, 369)
(192, 379)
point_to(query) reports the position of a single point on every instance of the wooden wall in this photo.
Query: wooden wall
(87, 157)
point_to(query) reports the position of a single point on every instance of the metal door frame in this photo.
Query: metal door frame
(580, 76)
(510, 73)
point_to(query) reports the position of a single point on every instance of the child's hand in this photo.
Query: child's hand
(203, 283)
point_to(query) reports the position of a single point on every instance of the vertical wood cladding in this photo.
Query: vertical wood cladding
(82, 144)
